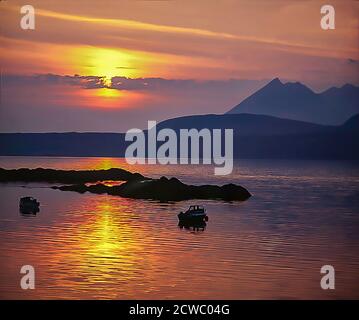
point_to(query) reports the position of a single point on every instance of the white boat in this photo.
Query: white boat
(194, 213)
(29, 205)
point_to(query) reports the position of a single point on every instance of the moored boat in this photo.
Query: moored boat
(194, 213)
(29, 205)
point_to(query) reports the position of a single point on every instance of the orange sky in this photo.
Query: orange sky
(200, 40)
(180, 39)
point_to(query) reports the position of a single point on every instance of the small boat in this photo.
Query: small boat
(194, 213)
(29, 205)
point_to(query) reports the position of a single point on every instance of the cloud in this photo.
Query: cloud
(176, 30)
(128, 28)
(352, 61)
(130, 84)
(51, 102)
(86, 82)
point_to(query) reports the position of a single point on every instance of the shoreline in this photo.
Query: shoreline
(136, 186)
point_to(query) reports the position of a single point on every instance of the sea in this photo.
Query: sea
(302, 215)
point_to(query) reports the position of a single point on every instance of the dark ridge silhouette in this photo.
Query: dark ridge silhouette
(255, 136)
(258, 136)
(137, 186)
(67, 176)
(245, 124)
(352, 124)
(294, 100)
(67, 144)
(164, 189)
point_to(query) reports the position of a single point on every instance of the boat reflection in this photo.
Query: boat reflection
(28, 211)
(192, 225)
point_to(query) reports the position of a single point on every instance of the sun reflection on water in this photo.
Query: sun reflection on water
(100, 246)
(102, 250)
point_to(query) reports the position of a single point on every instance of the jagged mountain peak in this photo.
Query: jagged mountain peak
(294, 100)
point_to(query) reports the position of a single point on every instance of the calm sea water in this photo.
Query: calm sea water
(303, 215)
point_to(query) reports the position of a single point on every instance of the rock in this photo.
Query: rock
(136, 185)
(164, 189)
(67, 176)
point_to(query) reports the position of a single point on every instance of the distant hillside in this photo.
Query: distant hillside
(63, 144)
(245, 124)
(260, 136)
(256, 136)
(352, 124)
(298, 102)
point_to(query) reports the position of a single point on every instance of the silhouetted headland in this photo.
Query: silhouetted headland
(255, 137)
(67, 176)
(164, 189)
(136, 186)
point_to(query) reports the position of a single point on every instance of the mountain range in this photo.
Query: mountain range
(294, 100)
(255, 136)
(285, 121)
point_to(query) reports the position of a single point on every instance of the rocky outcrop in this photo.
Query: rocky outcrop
(135, 186)
(164, 189)
(67, 176)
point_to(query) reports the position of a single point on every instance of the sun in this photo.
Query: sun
(106, 63)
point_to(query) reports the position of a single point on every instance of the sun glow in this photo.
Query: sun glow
(110, 98)
(107, 63)
(109, 93)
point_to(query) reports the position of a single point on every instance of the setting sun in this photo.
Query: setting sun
(106, 62)
(108, 92)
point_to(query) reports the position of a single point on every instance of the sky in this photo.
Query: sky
(110, 66)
